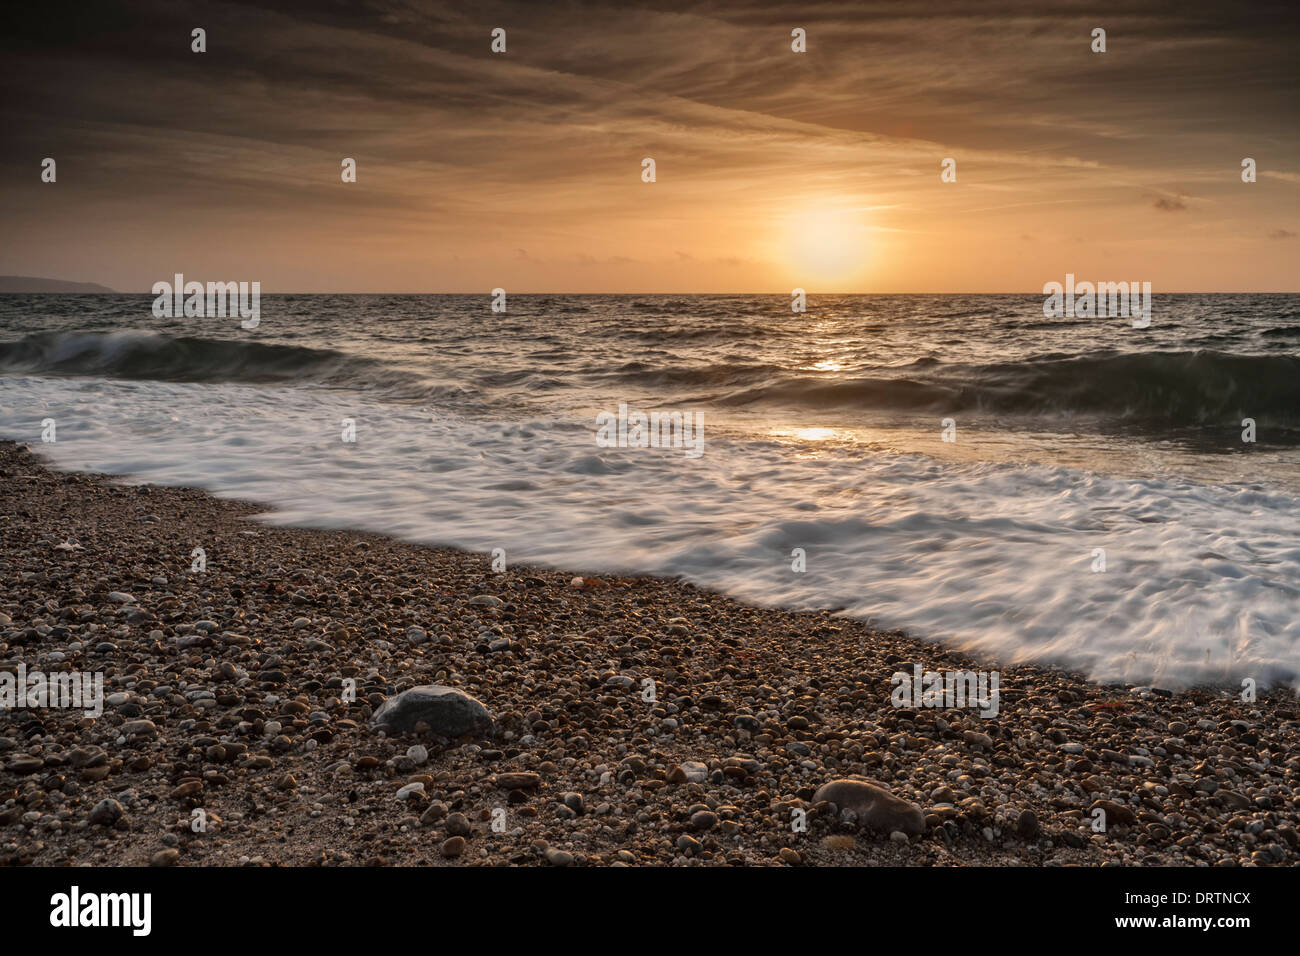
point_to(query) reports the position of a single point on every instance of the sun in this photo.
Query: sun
(826, 245)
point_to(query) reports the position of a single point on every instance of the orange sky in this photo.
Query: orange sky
(774, 169)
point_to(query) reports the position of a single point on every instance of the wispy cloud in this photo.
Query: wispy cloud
(231, 157)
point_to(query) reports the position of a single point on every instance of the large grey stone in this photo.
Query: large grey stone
(876, 808)
(447, 711)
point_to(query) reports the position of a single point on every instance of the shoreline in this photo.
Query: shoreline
(237, 673)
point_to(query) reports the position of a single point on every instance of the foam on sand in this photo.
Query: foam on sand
(1202, 581)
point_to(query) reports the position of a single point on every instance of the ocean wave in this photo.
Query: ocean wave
(1154, 388)
(1182, 388)
(723, 373)
(158, 357)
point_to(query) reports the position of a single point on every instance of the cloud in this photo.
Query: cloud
(464, 152)
(1281, 234)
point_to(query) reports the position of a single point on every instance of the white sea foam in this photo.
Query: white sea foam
(1202, 582)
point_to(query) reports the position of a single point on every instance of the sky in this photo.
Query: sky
(774, 169)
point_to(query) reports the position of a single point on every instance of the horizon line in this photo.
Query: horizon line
(645, 292)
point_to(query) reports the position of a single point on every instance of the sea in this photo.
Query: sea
(1122, 502)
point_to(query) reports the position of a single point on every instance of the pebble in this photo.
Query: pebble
(704, 820)
(558, 857)
(446, 710)
(574, 802)
(876, 808)
(518, 781)
(105, 813)
(143, 728)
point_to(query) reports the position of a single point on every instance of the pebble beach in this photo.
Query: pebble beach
(626, 721)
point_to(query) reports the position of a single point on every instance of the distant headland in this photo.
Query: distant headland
(34, 284)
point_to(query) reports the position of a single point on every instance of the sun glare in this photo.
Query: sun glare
(827, 245)
(827, 365)
(815, 434)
